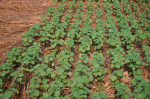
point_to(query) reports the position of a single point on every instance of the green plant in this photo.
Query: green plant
(101, 95)
(98, 63)
(82, 77)
(141, 87)
(147, 53)
(122, 90)
(32, 55)
(133, 59)
(28, 37)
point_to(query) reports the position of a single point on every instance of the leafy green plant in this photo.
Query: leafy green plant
(147, 53)
(122, 90)
(141, 87)
(99, 95)
(32, 56)
(28, 37)
(133, 59)
(98, 63)
(117, 59)
(82, 77)
(85, 43)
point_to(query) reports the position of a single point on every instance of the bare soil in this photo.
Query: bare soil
(16, 17)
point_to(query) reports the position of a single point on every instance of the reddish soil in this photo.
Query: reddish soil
(16, 17)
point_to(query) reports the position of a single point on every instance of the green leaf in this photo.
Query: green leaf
(1, 82)
(57, 93)
(113, 77)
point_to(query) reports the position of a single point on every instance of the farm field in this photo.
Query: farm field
(82, 50)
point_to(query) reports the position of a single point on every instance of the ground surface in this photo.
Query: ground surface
(16, 16)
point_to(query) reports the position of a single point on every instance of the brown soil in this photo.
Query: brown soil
(16, 17)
